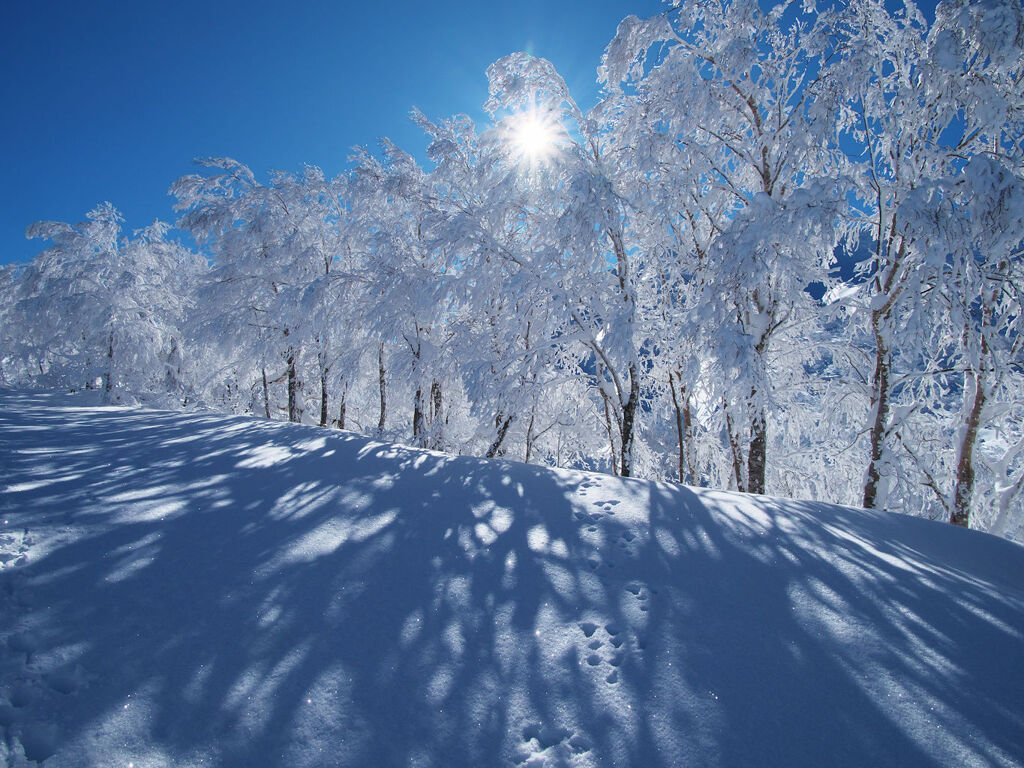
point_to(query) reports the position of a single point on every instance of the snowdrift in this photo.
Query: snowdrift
(187, 589)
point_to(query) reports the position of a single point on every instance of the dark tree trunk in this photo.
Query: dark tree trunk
(757, 450)
(756, 458)
(963, 491)
(293, 391)
(964, 488)
(383, 389)
(880, 403)
(435, 400)
(529, 436)
(682, 410)
(266, 392)
(110, 364)
(611, 434)
(681, 441)
(687, 432)
(629, 422)
(418, 429)
(436, 417)
(323, 396)
(501, 423)
(737, 452)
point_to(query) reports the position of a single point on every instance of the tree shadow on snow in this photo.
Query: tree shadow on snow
(255, 594)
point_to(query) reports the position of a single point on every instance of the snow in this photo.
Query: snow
(193, 589)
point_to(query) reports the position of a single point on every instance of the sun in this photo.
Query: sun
(535, 136)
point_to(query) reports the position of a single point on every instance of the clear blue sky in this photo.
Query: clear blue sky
(106, 100)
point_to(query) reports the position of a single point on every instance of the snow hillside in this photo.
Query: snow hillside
(191, 589)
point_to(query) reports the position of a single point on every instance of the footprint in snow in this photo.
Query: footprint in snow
(628, 543)
(66, 680)
(612, 657)
(23, 694)
(23, 642)
(39, 740)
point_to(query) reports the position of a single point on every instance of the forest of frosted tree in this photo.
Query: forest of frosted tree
(782, 254)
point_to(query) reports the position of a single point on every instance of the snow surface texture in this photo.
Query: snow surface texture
(178, 590)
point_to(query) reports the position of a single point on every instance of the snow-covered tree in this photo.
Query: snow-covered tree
(410, 306)
(271, 297)
(783, 253)
(96, 307)
(592, 268)
(921, 102)
(728, 105)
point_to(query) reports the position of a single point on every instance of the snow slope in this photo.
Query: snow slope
(184, 590)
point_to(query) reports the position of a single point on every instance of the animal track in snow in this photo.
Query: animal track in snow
(606, 648)
(39, 740)
(641, 593)
(27, 696)
(66, 679)
(23, 694)
(22, 642)
(606, 506)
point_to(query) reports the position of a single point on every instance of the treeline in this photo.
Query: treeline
(781, 255)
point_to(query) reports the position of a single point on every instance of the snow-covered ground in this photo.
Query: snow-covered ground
(191, 589)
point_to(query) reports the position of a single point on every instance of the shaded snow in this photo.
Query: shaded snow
(182, 589)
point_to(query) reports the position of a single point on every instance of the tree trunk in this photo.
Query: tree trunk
(436, 420)
(737, 452)
(687, 434)
(964, 488)
(880, 406)
(435, 400)
(757, 456)
(529, 436)
(501, 423)
(628, 427)
(341, 409)
(293, 390)
(417, 418)
(266, 392)
(383, 389)
(757, 450)
(611, 434)
(681, 403)
(323, 396)
(110, 365)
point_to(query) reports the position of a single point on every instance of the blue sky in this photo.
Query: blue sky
(112, 100)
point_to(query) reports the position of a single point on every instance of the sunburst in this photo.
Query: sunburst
(536, 136)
